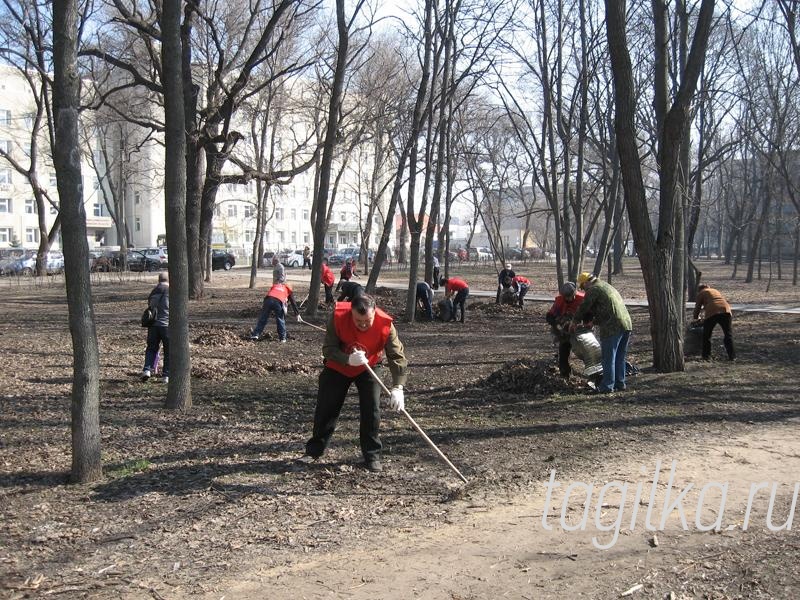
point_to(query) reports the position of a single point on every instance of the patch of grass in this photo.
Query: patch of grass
(129, 468)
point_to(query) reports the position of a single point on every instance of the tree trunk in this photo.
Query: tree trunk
(179, 393)
(658, 254)
(86, 459)
(320, 224)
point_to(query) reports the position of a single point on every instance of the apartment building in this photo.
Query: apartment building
(130, 164)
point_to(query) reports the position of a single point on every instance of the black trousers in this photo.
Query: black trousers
(564, 348)
(724, 321)
(333, 388)
(328, 294)
(459, 300)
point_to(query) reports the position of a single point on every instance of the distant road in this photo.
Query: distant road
(789, 309)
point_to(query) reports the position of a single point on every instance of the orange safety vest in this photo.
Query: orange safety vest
(280, 291)
(327, 275)
(372, 341)
(456, 284)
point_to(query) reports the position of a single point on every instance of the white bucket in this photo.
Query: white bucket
(586, 346)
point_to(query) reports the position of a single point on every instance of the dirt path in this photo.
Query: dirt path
(504, 551)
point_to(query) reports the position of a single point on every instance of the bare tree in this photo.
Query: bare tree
(343, 27)
(86, 459)
(25, 39)
(661, 252)
(179, 393)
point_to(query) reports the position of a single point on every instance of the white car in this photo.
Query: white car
(159, 254)
(292, 259)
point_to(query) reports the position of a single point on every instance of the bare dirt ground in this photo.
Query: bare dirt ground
(212, 503)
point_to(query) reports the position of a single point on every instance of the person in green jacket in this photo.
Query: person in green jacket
(614, 327)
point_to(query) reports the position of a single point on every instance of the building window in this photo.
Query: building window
(294, 214)
(281, 236)
(249, 235)
(5, 175)
(53, 210)
(305, 214)
(53, 180)
(231, 210)
(137, 198)
(249, 211)
(266, 236)
(279, 214)
(31, 235)
(343, 239)
(5, 235)
(354, 239)
(5, 117)
(98, 210)
(343, 217)
(5, 146)
(217, 211)
(294, 237)
(138, 225)
(5, 205)
(305, 238)
(96, 183)
(30, 207)
(331, 240)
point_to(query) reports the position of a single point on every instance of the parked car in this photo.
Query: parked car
(515, 254)
(481, 253)
(139, 261)
(25, 266)
(159, 254)
(334, 260)
(268, 255)
(8, 258)
(220, 259)
(293, 258)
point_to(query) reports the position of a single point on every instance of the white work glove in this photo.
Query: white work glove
(357, 358)
(397, 399)
(299, 318)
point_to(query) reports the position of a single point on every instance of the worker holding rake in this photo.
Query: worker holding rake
(357, 337)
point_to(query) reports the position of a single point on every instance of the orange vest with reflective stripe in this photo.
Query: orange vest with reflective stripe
(351, 338)
(280, 291)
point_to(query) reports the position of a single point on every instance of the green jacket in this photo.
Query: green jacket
(608, 310)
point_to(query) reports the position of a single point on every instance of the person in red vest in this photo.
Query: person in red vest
(520, 285)
(327, 280)
(559, 317)
(358, 334)
(348, 271)
(275, 303)
(459, 288)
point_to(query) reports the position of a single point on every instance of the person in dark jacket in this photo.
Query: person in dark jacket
(504, 279)
(425, 296)
(349, 291)
(158, 332)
